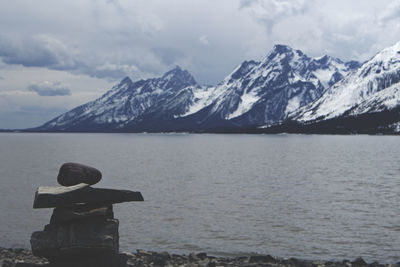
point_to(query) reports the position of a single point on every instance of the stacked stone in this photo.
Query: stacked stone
(82, 229)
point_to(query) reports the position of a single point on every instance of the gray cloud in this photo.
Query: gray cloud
(341, 28)
(48, 52)
(114, 38)
(168, 55)
(49, 89)
(28, 116)
(269, 12)
(33, 55)
(391, 13)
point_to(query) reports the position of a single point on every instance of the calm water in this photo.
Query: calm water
(313, 197)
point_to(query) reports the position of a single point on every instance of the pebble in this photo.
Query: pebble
(24, 258)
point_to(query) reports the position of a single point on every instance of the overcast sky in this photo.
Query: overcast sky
(55, 55)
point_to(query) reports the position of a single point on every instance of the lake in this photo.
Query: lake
(306, 196)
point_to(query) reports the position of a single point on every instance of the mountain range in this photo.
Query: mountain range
(365, 101)
(286, 91)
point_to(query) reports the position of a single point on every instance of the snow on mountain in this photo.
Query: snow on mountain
(266, 91)
(373, 87)
(255, 93)
(128, 102)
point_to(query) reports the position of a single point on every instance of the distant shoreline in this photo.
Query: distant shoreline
(237, 132)
(22, 257)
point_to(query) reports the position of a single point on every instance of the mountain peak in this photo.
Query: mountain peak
(388, 53)
(126, 80)
(124, 83)
(179, 75)
(324, 59)
(280, 48)
(396, 47)
(175, 71)
(280, 51)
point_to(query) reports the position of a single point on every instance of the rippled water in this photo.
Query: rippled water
(312, 197)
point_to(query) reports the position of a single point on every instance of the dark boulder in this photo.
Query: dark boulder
(76, 240)
(76, 173)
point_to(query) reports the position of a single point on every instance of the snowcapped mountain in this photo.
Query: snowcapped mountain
(373, 88)
(255, 93)
(130, 103)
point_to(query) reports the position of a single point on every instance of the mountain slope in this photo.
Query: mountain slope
(127, 104)
(374, 87)
(256, 93)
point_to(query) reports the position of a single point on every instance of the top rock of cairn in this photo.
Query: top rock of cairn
(75, 173)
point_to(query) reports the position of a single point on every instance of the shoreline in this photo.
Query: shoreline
(10, 257)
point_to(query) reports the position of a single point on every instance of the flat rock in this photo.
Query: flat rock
(75, 173)
(76, 239)
(80, 212)
(50, 197)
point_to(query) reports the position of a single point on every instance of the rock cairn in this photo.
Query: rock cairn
(82, 229)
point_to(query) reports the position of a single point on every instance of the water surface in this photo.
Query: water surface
(306, 196)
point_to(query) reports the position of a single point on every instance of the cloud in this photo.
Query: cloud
(22, 109)
(140, 39)
(269, 12)
(110, 39)
(49, 89)
(28, 116)
(49, 52)
(341, 28)
(34, 55)
(392, 12)
(168, 55)
(204, 40)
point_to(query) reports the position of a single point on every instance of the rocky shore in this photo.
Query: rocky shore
(25, 258)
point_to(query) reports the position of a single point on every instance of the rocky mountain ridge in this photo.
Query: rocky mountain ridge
(255, 93)
(366, 101)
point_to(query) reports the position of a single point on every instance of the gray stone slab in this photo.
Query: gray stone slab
(50, 197)
(80, 212)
